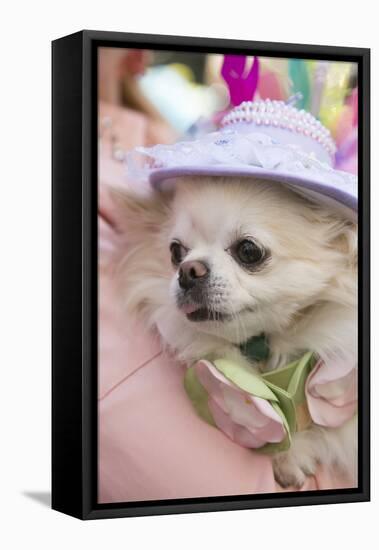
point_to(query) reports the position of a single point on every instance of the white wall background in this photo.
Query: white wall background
(26, 31)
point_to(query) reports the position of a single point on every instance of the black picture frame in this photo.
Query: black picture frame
(74, 272)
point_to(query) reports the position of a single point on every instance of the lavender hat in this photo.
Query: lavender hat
(270, 140)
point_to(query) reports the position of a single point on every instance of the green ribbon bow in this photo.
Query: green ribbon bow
(284, 388)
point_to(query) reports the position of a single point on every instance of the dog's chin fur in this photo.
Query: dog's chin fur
(304, 297)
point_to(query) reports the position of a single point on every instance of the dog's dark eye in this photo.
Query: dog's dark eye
(248, 252)
(178, 251)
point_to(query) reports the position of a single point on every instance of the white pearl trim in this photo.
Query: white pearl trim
(281, 115)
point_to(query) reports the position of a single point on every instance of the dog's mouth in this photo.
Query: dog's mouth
(197, 312)
(205, 314)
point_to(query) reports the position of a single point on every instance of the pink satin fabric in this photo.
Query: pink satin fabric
(246, 419)
(332, 392)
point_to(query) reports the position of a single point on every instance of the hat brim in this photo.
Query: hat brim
(335, 196)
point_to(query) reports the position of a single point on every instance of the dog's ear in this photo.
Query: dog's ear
(349, 242)
(337, 233)
(346, 242)
(141, 214)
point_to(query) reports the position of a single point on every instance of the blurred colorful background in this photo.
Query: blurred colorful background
(190, 92)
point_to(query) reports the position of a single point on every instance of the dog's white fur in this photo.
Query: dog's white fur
(304, 297)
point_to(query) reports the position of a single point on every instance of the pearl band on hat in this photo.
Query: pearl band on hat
(279, 114)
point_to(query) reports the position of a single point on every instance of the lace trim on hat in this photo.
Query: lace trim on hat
(237, 149)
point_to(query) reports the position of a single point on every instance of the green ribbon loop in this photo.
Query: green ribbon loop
(284, 388)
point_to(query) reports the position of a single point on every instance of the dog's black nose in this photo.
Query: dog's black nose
(190, 273)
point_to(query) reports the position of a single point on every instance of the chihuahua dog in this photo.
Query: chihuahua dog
(218, 260)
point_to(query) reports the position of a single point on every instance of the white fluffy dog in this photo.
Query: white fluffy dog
(221, 260)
